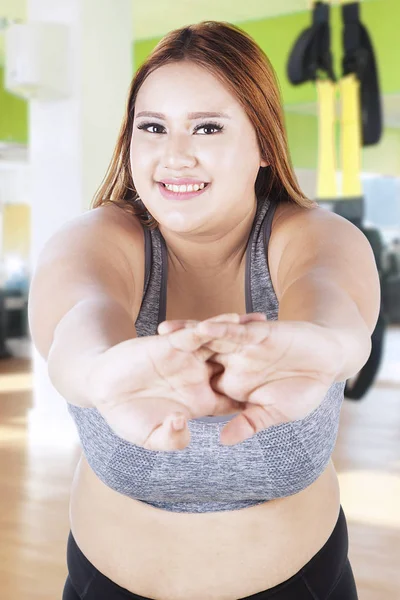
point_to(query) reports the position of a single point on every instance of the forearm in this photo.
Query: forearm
(315, 299)
(88, 329)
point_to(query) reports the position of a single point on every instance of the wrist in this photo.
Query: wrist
(354, 348)
(74, 378)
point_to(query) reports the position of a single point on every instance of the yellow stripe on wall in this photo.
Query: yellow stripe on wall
(16, 230)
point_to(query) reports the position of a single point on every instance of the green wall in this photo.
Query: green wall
(276, 37)
(13, 116)
(302, 133)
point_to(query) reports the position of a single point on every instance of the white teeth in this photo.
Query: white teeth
(184, 188)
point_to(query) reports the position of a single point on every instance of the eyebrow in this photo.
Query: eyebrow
(192, 115)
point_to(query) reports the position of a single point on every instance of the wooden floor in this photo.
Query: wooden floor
(35, 482)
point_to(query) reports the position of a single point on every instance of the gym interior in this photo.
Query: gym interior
(55, 146)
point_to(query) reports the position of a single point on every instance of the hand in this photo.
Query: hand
(215, 368)
(279, 370)
(142, 386)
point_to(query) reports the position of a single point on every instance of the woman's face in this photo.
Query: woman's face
(220, 150)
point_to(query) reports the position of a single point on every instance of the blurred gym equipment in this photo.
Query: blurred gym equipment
(360, 125)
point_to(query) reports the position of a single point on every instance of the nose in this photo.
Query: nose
(178, 152)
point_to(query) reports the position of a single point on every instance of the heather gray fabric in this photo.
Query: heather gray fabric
(206, 476)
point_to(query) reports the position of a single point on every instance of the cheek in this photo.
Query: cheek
(233, 156)
(141, 165)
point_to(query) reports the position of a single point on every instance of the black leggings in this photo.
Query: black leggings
(328, 575)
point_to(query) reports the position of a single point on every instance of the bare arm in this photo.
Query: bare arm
(88, 329)
(82, 298)
(328, 276)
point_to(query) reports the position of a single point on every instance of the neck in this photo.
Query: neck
(211, 254)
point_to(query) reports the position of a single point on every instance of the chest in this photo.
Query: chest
(217, 295)
(226, 293)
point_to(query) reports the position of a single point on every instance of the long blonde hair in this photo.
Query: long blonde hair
(240, 64)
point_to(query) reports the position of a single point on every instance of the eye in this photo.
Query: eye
(146, 125)
(209, 125)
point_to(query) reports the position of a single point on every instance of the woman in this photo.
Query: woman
(206, 469)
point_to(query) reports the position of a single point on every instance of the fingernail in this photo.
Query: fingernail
(178, 423)
(189, 324)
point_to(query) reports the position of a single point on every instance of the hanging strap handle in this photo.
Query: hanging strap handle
(359, 58)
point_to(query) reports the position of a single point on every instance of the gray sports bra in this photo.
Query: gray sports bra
(206, 476)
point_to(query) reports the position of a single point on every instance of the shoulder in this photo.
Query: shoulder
(294, 223)
(287, 212)
(125, 236)
(111, 224)
(285, 217)
(316, 237)
(112, 216)
(115, 234)
(297, 232)
(105, 219)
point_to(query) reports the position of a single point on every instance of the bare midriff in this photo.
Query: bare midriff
(218, 556)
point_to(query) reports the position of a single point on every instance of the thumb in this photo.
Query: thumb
(170, 326)
(172, 434)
